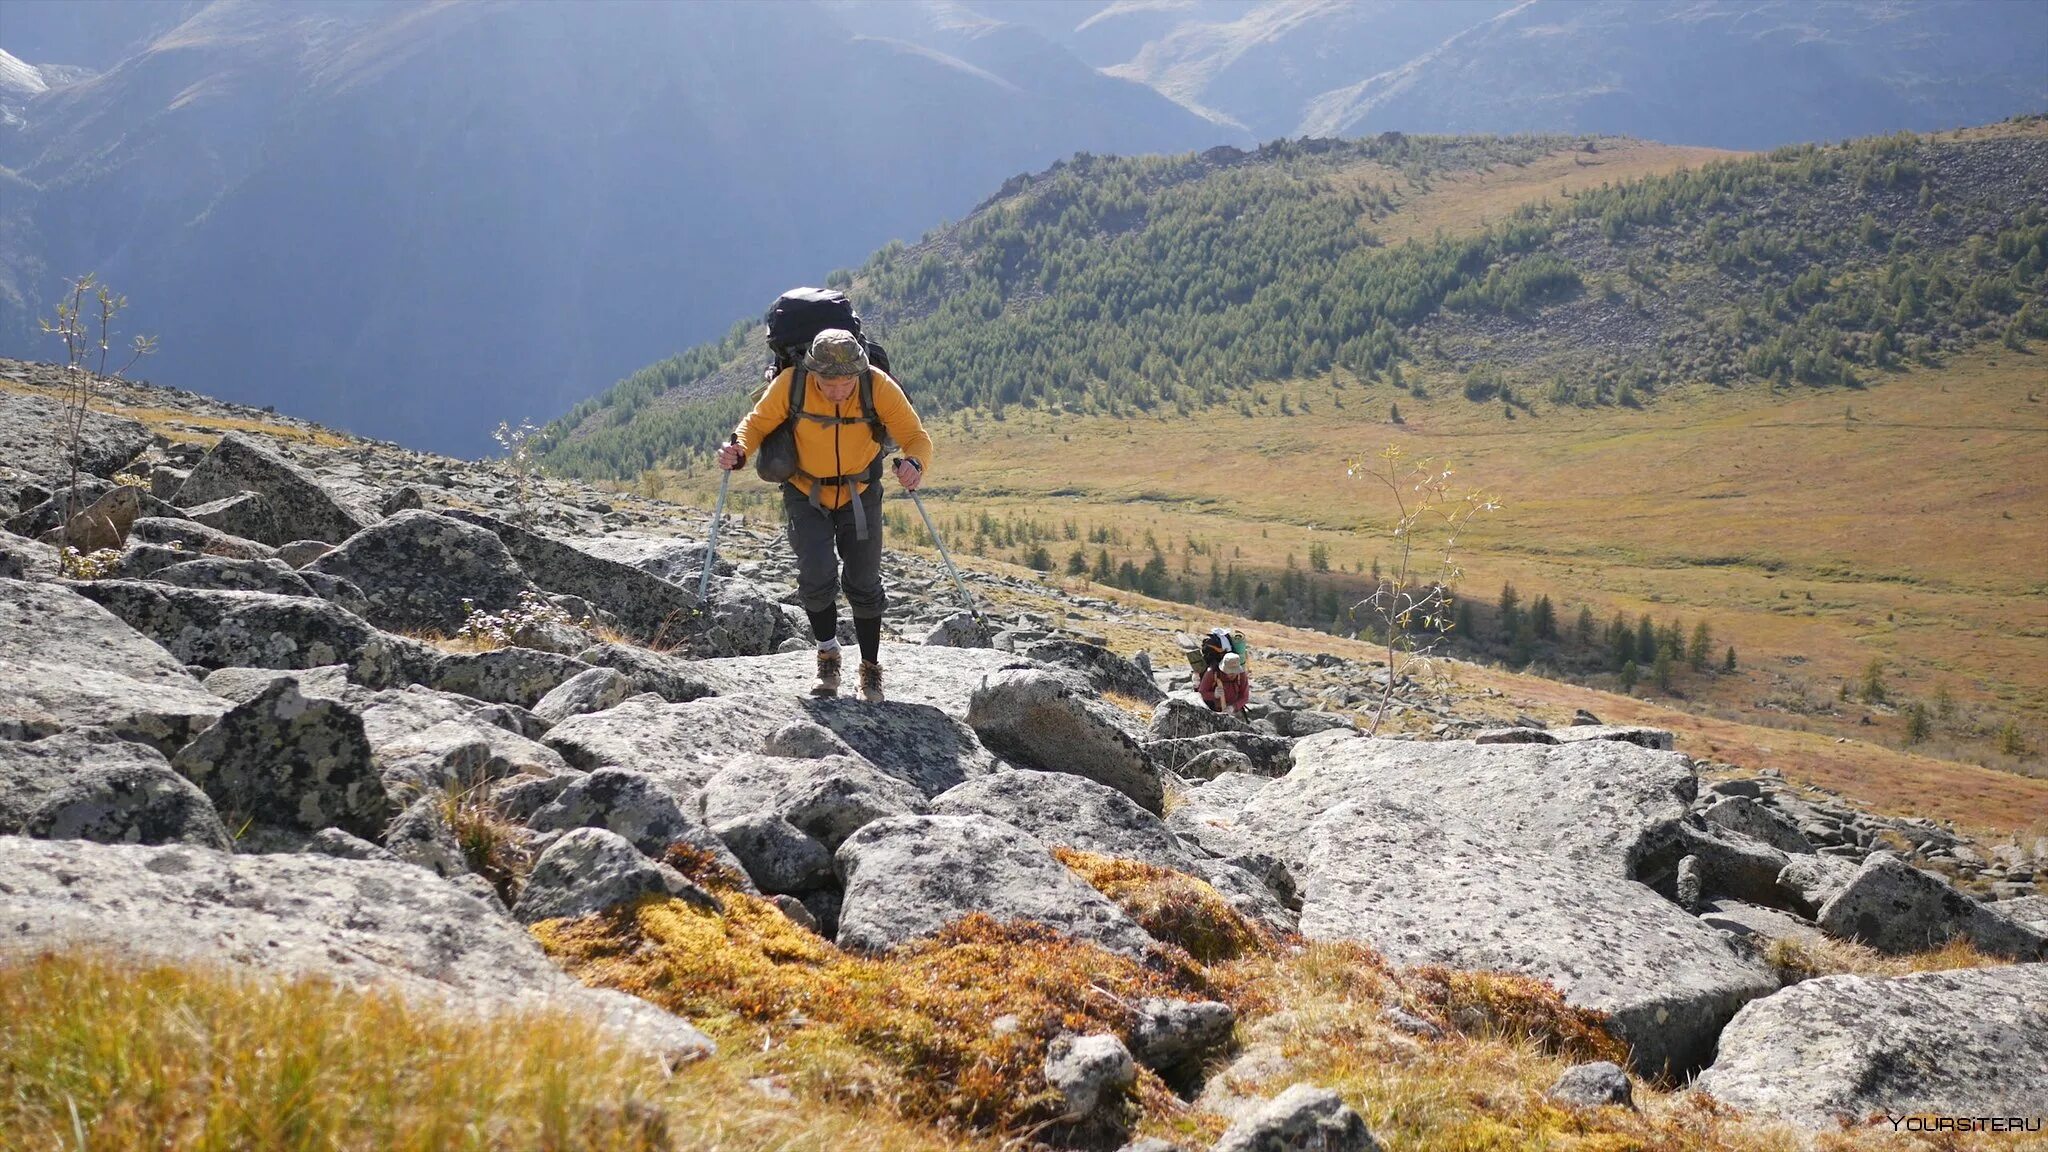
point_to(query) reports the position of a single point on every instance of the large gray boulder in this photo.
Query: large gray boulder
(245, 514)
(66, 662)
(1744, 815)
(648, 608)
(35, 436)
(827, 799)
(1895, 907)
(591, 690)
(301, 509)
(90, 785)
(258, 630)
(359, 923)
(519, 676)
(24, 559)
(1511, 857)
(909, 876)
(1090, 1073)
(1301, 1118)
(1193, 756)
(686, 744)
(1037, 720)
(1958, 1043)
(776, 855)
(196, 538)
(285, 760)
(592, 869)
(1180, 717)
(1063, 809)
(226, 574)
(944, 678)
(1104, 670)
(417, 570)
(670, 677)
(634, 806)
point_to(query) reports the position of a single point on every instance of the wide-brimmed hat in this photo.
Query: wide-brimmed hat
(1233, 665)
(836, 352)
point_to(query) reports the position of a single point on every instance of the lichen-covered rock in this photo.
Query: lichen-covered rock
(647, 607)
(1089, 1072)
(776, 856)
(634, 806)
(803, 740)
(1175, 1037)
(1270, 755)
(420, 836)
(290, 761)
(909, 876)
(245, 514)
(1593, 1085)
(242, 685)
(1655, 739)
(90, 785)
(1302, 1117)
(1104, 670)
(591, 690)
(196, 538)
(222, 573)
(359, 923)
(1510, 857)
(675, 680)
(342, 845)
(1062, 809)
(299, 553)
(1178, 718)
(298, 503)
(35, 436)
(24, 559)
(1894, 907)
(959, 630)
(1037, 720)
(519, 676)
(1957, 1043)
(66, 663)
(1741, 814)
(828, 799)
(944, 678)
(418, 568)
(589, 870)
(257, 630)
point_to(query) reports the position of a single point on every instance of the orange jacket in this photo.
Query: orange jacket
(836, 450)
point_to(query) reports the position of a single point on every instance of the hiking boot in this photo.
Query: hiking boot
(871, 682)
(828, 673)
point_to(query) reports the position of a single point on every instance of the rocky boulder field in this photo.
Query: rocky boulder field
(308, 705)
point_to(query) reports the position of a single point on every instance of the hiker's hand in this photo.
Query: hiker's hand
(909, 475)
(731, 456)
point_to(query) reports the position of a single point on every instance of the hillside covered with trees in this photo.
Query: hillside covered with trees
(1170, 285)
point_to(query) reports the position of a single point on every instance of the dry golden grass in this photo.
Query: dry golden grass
(1805, 959)
(113, 1056)
(1172, 906)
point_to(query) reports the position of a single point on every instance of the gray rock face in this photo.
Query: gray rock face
(242, 685)
(1656, 739)
(827, 799)
(256, 629)
(1514, 857)
(360, 923)
(1104, 670)
(1269, 755)
(909, 876)
(589, 870)
(649, 608)
(34, 437)
(1089, 1072)
(740, 620)
(1808, 882)
(88, 785)
(417, 568)
(1174, 1037)
(521, 676)
(675, 680)
(24, 559)
(634, 806)
(67, 663)
(1038, 721)
(944, 678)
(1741, 814)
(420, 836)
(776, 856)
(298, 503)
(1305, 723)
(957, 631)
(591, 690)
(334, 842)
(300, 553)
(196, 538)
(229, 575)
(1960, 1043)
(1060, 809)
(290, 761)
(1513, 736)
(1895, 907)
(1303, 1117)
(1593, 1085)
(1758, 924)
(689, 743)
(1178, 718)
(803, 740)
(245, 514)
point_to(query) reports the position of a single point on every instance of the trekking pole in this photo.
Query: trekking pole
(711, 541)
(957, 583)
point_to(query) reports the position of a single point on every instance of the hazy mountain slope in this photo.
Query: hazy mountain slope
(1729, 73)
(427, 218)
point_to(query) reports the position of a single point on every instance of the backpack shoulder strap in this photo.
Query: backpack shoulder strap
(796, 390)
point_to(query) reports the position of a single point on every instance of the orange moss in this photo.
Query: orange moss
(1172, 906)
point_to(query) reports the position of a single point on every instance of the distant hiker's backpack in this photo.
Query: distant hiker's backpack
(794, 320)
(1208, 652)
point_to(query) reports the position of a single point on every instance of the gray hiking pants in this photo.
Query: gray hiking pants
(824, 538)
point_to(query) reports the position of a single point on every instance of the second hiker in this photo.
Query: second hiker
(844, 411)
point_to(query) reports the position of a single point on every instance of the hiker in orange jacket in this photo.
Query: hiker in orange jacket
(834, 502)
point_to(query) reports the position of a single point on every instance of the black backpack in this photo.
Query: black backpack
(793, 321)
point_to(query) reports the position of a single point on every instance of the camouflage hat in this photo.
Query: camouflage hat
(836, 352)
